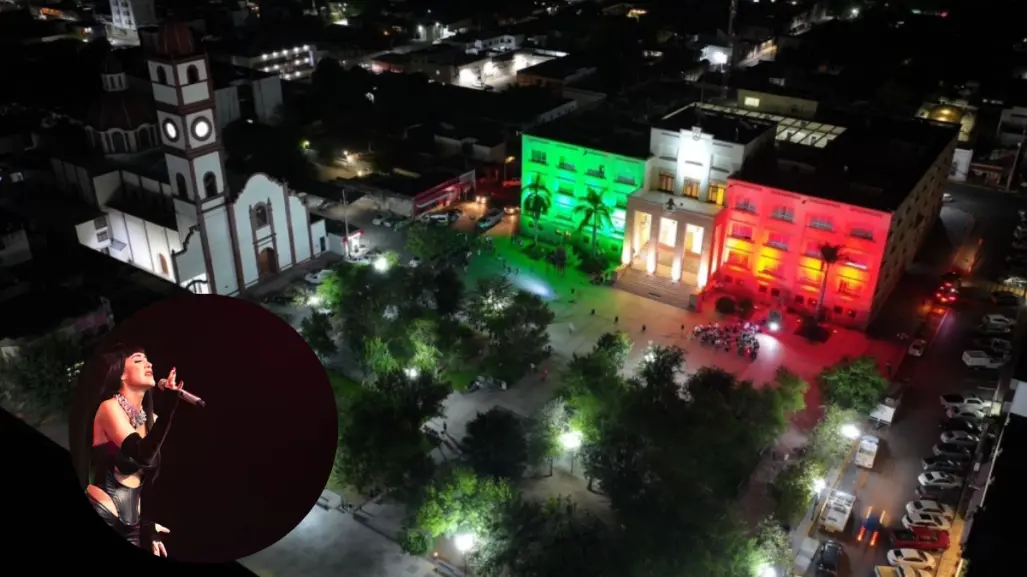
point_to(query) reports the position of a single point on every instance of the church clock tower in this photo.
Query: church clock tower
(184, 97)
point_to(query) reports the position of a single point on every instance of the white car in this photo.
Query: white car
(318, 277)
(962, 414)
(965, 402)
(917, 347)
(911, 558)
(934, 522)
(1015, 281)
(938, 480)
(997, 320)
(946, 197)
(961, 438)
(930, 508)
(382, 220)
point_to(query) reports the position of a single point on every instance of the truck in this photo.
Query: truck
(888, 571)
(867, 451)
(884, 414)
(837, 512)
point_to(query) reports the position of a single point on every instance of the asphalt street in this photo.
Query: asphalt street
(892, 482)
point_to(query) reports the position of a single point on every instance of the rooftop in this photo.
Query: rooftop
(597, 130)
(409, 186)
(146, 205)
(794, 130)
(874, 165)
(515, 105)
(723, 126)
(557, 68)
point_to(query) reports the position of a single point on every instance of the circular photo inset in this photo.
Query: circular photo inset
(203, 428)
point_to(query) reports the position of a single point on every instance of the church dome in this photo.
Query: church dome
(175, 39)
(122, 110)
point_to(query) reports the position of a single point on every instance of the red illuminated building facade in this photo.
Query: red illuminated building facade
(872, 195)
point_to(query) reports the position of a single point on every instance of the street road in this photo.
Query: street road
(891, 484)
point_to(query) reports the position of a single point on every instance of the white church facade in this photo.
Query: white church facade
(178, 218)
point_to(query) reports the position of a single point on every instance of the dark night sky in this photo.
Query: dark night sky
(237, 475)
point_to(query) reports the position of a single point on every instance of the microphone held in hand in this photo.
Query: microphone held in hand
(183, 394)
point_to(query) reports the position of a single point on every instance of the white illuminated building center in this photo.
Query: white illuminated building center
(127, 16)
(186, 225)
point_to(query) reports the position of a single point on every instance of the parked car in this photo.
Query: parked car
(279, 299)
(949, 450)
(947, 296)
(936, 522)
(994, 345)
(383, 220)
(318, 277)
(945, 464)
(968, 426)
(998, 320)
(1005, 299)
(920, 539)
(965, 402)
(1015, 282)
(947, 197)
(490, 219)
(947, 496)
(960, 439)
(917, 347)
(964, 414)
(930, 508)
(830, 559)
(911, 558)
(993, 330)
(940, 480)
(980, 360)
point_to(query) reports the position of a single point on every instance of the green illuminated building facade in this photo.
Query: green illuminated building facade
(564, 173)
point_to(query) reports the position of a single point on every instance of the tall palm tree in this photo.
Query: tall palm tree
(537, 201)
(593, 213)
(829, 254)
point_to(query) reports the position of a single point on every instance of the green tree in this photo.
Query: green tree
(772, 545)
(457, 501)
(518, 336)
(793, 489)
(827, 444)
(594, 213)
(829, 255)
(543, 436)
(378, 358)
(617, 345)
(429, 242)
(488, 301)
(317, 330)
(449, 292)
(855, 384)
(37, 379)
(537, 201)
(791, 389)
(496, 445)
(274, 150)
(382, 444)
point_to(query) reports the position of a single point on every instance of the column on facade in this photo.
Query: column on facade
(679, 249)
(629, 249)
(654, 243)
(706, 258)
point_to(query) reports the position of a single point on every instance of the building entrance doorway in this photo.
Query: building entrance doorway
(267, 262)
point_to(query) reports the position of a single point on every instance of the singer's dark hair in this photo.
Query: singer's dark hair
(108, 375)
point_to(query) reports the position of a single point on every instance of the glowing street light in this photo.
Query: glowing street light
(819, 485)
(412, 372)
(571, 440)
(773, 326)
(765, 570)
(381, 264)
(850, 431)
(464, 542)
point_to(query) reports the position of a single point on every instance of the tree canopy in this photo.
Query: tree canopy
(855, 384)
(496, 445)
(37, 380)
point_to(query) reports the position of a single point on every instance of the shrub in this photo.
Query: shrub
(725, 305)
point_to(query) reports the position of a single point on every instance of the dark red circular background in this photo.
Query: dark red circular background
(241, 473)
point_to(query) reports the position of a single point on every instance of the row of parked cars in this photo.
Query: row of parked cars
(992, 348)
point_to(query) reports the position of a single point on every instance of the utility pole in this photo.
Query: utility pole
(731, 48)
(345, 221)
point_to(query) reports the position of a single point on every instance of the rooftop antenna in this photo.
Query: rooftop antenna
(731, 48)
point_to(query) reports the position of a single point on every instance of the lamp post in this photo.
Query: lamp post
(464, 542)
(571, 441)
(850, 431)
(381, 264)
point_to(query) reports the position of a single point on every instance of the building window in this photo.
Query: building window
(538, 157)
(821, 223)
(666, 181)
(694, 238)
(771, 267)
(183, 188)
(162, 75)
(192, 74)
(99, 222)
(798, 299)
(668, 232)
(598, 172)
(850, 287)
(777, 240)
(163, 264)
(716, 193)
(210, 185)
(863, 233)
(745, 205)
(103, 236)
(626, 179)
(691, 188)
(741, 231)
(783, 213)
(260, 216)
(838, 310)
(738, 258)
(566, 165)
(752, 102)
(763, 288)
(775, 292)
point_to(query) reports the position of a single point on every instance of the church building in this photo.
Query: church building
(168, 205)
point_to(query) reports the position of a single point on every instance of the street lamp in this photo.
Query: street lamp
(381, 264)
(464, 542)
(765, 570)
(411, 372)
(819, 485)
(850, 431)
(571, 441)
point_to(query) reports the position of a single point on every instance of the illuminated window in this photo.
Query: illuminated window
(738, 258)
(716, 193)
(752, 102)
(598, 172)
(745, 205)
(691, 188)
(741, 231)
(666, 181)
(850, 287)
(783, 213)
(103, 236)
(668, 231)
(693, 238)
(857, 261)
(538, 157)
(777, 240)
(771, 267)
(822, 223)
(863, 233)
(260, 216)
(625, 178)
(565, 189)
(565, 165)
(809, 277)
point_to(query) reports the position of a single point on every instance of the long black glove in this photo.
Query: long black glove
(139, 452)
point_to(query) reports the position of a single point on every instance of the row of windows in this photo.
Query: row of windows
(804, 276)
(786, 214)
(785, 242)
(210, 184)
(539, 157)
(192, 75)
(692, 188)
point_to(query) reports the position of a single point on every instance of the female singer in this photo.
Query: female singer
(126, 440)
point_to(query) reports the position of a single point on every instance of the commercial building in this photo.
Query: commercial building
(872, 193)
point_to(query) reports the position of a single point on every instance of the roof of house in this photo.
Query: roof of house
(149, 206)
(557, 68)
(874, 165)
(598, 130)
(722, 126)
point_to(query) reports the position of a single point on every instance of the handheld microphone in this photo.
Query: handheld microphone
(183, 394)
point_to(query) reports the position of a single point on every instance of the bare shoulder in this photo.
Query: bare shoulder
(107, 408)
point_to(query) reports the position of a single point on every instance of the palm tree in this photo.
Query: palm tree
(537, 202)
(594, 213)
(829, 254)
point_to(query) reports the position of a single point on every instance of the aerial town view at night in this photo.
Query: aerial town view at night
(523, 288)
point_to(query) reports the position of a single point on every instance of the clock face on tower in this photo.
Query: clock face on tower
(170, 130)
(201, 128)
